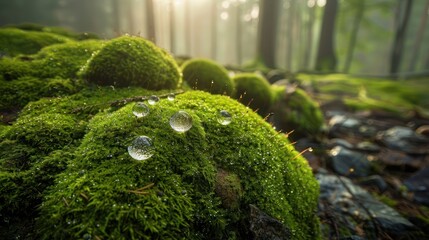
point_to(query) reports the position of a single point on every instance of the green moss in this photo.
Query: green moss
(14, 68)
(228, 188)
(298, 112)
(16, 41)
(104, 193)
(253, 90)
(132, 61)
(17, 93)
(207, 75)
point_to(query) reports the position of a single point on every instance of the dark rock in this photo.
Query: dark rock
(339, 142)
(350, 206)
(276, 75)
(404, 139)
(400, 159)
(264, 227)
(374, 181)
(349, 163)
(419, 185)
(368, 147)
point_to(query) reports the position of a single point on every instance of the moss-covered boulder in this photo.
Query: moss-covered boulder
(132, 61)
(295, 110)
(16, 41)
(253, 90)
(59, 60)
(207, 75)
(16, 94)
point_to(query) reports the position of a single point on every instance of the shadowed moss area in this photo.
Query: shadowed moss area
(397, 96)
(253, 90)
(207, 75)
(132, 61)
(16, 41)
(294, 110)
(105, 193)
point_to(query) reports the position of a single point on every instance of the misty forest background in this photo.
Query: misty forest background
(366, 37)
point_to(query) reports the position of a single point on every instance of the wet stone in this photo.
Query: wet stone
(368, 147)
(419, 185)
(349, 163)
(404, 139)
(374, 181)
(339, 142)
(349, 205)
(394, 158)
(263, 226)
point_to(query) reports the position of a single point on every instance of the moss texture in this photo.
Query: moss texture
(132, 61)
(104, 193)
(295, 110)
(16, 41)
(253, 90)
(207, 75)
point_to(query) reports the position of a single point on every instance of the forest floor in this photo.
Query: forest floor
(373, 161)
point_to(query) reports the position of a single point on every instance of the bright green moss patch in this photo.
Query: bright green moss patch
(105, 193)
(207, 75)
(397, 96)
(253, 90)
(296, 111)
(17, 93)
(132, 61)
(16, 41)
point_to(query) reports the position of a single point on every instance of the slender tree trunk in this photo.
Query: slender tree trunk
(307, 56)
(188, 36)
(419, 38)
(290, 37)
(326, 59)
(403, 15)
(150, 21)
(214, 30)
(130, 13)
(353, 35)
(116, 17)
(268, 31)
(172, 28)
(239, 35)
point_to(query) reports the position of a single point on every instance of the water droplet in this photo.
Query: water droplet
(153, 100)
(87, 236)
(224, 117)
(142, 148)
(171, 97)
(140, 110)
(181, 121)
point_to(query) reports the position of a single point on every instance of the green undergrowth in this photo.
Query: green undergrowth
(360, 93)
(197, 185)
(54, 29)
(16, 41)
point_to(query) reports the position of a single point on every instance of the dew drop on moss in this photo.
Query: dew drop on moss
(153, 100)
(140, 110)
(224, 117)
(171, 97)
(181, 121)
(142, 148)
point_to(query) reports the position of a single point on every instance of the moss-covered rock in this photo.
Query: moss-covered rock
(16, 41)
(253, 90)
(132, 61)
(16, 94)
(207, 75)
(295, 110)
(106, 193)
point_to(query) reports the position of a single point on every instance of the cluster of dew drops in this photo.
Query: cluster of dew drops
(142, 147)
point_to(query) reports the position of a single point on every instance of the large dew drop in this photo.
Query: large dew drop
(153, 100)
(142, 148)
(224, 117)
(140, 110)
(181, 121)
(171, 97)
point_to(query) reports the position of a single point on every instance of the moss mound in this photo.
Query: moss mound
(59, 60)
(207, 75)
(132, 61)
(16, 41)
(253, 90)
(295, 110)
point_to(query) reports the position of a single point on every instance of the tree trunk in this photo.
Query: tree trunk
(172, 28)
(116, 17)
(267, 35)
(291, 36)
(188, 36)
(239, 35)
(130, 13)
(326, 59)
(214, 30)
(150, 21)
(403, 14)
(353, 35)
(418, 42)
(307, 55)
